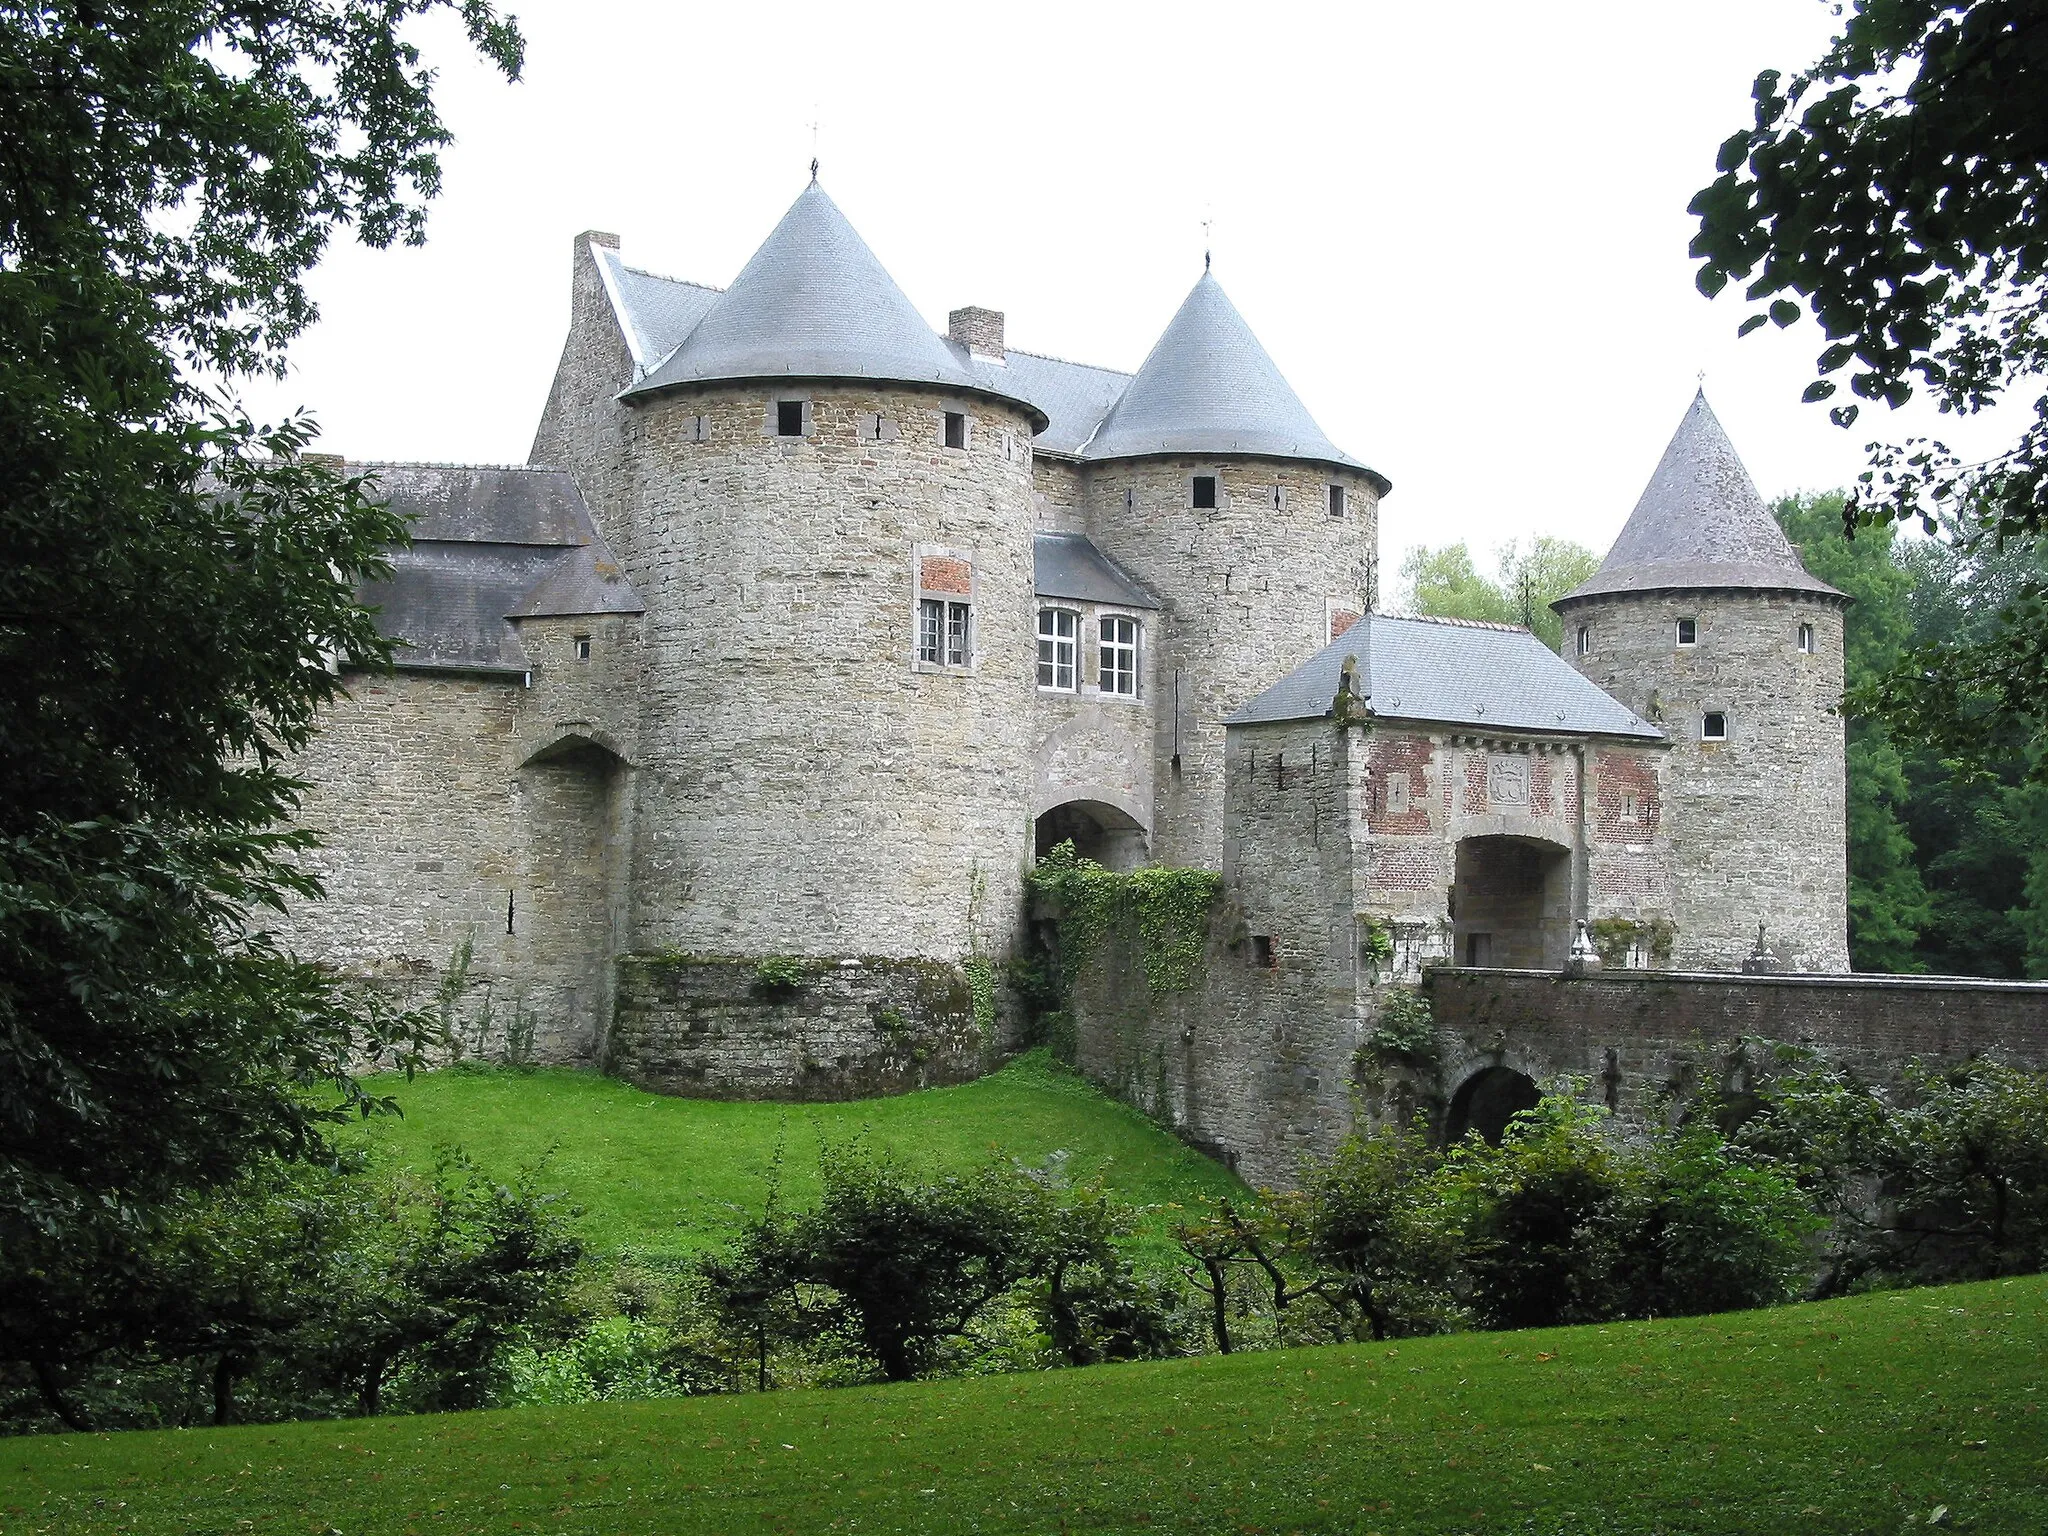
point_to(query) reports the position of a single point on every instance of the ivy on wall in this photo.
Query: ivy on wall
(1168, 908)
(1613, 937)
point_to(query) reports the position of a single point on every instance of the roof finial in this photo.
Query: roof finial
(814, 143)
(1208, 226)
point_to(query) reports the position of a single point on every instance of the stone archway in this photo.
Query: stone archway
(1511, 903)
(1112, 837)
(1486, 1101)
(567, 909)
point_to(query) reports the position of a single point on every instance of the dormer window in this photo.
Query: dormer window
(1204, 498)
(956, 429)
(1688, 631)
(789, 418)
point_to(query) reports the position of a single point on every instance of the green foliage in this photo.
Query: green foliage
(1893, 188)
(1406, 1026)
(1167, 909)
(1946, 1181)
(1614, 937)
(981, 984)
(1713, 1427)
(176, 587)
(1376, 1219)
(1375, 940)
(780, 976)
(1444, 583)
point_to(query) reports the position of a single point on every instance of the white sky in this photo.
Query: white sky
(1460, 230)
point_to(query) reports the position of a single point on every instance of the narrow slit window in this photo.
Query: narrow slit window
(1130, 499)
(1264, 956)
(1585, 639)
(1806, 638)
(1205, 491)
(1688, 632)
(582, 644)
(1279, 498)
(1336, 501)
(789, 418)
(1058, 636)
(956, 429)
(1118, 671)
(1714, 727)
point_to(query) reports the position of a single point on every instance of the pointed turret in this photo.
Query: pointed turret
(1209, 387)
(814, 303)
(1700, 524)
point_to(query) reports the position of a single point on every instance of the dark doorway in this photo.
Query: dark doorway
(1097, 831)
(1512, 902)
(1487, 1102)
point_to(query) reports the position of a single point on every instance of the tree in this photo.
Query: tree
(1893, 191)
(1445, 584)
(176, 590)
(1375, 1220)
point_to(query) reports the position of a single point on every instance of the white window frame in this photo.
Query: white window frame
(1707, 715)
(1059, 655)
(1678, 634)
(579, 647)
(1585, 640)
(1804, 639)
(1127, 652)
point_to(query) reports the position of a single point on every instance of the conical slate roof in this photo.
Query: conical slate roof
(1700, 523)
(814, 303)
(1209, 387)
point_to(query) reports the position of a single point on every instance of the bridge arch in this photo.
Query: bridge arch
(1102, 824)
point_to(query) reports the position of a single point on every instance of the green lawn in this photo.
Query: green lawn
(661, 1174)
(1856, 1416)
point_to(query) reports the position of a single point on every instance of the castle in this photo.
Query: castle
(806, 627)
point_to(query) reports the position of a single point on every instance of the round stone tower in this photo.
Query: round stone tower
(1210, 482)
(835, 545)
(1703, 620)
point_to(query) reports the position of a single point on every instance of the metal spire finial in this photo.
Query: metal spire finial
(1208, 225)
(813, 125)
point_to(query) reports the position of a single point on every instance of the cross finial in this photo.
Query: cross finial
(1208, 225)
(813, 126)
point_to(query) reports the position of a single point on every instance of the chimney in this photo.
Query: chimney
(324, 460)
(597, 237)
(980, 331)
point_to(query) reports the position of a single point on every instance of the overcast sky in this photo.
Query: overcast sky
(1460, 230)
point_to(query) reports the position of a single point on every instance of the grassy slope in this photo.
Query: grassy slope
(1847, 1416)
(664, 1175)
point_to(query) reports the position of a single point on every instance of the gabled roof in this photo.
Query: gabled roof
(814, 303)
(1449, 672)
(1700, 523)
(490, 544)
(1069, 565)
(1073, 396)
(1209, 387)
(655, 313)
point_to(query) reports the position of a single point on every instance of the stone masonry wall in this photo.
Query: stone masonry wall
(1248, 589)
(807, 787)
(1757, 823)
(583, 429)
(1092, 746)
(1060, 493)
(1648, 1041)
(707, 1027)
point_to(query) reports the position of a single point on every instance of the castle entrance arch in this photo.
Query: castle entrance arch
(1098, 830)
(1486, 1101)
(1511, 902)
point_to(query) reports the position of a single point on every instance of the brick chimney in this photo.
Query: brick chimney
(980, 331)
(597, 237)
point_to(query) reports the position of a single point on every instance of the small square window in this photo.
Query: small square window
(956, 429)
(789, 418)
(1585, 639)
(1336, 501)
(1806, 638)
(1714, 727)
(1058, 643)
(1264, 955)
(582, 644)
(1205, 491)
(1688, 631)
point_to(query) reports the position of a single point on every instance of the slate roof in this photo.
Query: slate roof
(813, 302)
(1209, 387)
(1449, 672)
(1069, 565)
(1700, 523)
(489, 545)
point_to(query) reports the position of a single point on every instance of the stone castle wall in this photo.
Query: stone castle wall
(807, 787)
(583, 428)
(1757, 823)
(849, 1028)
(1248, 589)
